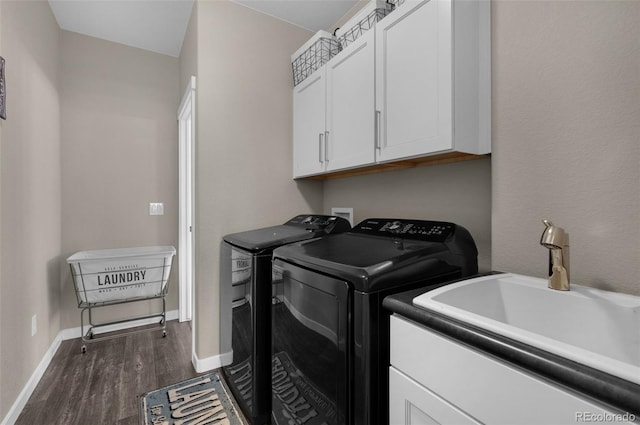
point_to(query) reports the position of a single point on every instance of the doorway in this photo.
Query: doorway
(186, 141)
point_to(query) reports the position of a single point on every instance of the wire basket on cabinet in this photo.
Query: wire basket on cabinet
(363, 21)
(312, 55)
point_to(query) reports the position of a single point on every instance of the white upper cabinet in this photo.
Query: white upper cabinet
(351, 105)
(433, 79)
(333, 112)
(309, 100)
(417, 84)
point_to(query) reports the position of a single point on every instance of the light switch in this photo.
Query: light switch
(156, 208)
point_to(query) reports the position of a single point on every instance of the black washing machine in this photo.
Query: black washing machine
(245, 307)
(330, 336)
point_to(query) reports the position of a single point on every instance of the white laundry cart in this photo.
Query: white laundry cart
(116, 276)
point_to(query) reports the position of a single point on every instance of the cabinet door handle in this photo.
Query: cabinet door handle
(326, 146)
(320, 143)
(377, 123)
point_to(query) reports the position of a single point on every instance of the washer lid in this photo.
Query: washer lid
(269, 237)
(384, 253)
(355, 251)
(369, 263)
(299, 228)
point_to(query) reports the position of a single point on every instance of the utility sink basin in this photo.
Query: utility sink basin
(597, 328)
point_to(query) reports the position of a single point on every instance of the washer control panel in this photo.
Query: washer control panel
(433, 231)
(326, 223)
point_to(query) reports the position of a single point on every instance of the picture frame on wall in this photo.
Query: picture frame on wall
(3, 91)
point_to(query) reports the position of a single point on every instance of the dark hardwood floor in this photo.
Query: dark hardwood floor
(102, 386)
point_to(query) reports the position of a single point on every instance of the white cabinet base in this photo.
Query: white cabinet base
(412, 404)
(480, 386)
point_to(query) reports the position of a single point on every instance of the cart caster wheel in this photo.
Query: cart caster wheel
(164, 334)
(84, 349)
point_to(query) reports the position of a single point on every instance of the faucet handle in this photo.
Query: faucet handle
(553, 236)
(557, 241)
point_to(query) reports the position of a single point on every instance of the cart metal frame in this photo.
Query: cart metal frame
(89, 336)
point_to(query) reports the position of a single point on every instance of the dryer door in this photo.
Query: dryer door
(310, 340)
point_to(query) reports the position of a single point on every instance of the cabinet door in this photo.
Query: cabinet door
(309, 104)
(351, 105)
(412, 404)
(414, 80)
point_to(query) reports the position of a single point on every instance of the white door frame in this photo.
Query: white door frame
(186, 250)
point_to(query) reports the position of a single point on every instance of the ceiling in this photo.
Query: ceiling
(160, 25)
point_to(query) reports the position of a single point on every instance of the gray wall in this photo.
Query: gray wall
(30, 193)
(188, 61)
(119, 152)
(90, 139)
(566, 145)
(459, 192)
(2, 403)
(243, 141)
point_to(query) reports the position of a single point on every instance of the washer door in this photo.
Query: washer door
(237, 270)
(310, 339)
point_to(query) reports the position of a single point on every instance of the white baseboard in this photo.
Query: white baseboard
(63, 335)
(23, 397)
(210, 363)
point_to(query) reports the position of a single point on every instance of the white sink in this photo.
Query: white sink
(600, 329)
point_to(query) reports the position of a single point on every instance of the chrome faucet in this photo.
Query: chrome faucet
(557, 241)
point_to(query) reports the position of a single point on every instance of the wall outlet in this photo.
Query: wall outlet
(34, 325)
(346, 213)
(156, 208)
